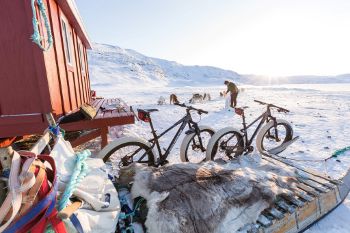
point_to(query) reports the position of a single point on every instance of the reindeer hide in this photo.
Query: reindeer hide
(201, 198)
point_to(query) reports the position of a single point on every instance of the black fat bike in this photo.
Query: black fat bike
(132, 149)
(272, 136)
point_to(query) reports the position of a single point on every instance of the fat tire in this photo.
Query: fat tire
(268, 126)
(187, 139)
(112, 147)
(212, 145)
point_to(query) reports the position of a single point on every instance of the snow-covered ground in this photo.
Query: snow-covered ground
(319, 113)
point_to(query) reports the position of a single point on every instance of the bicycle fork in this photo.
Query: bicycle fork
(275, 136)
(197, 132)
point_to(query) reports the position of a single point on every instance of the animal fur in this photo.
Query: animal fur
(161, 101)
(198, 98)
(206, 97)
(223, 94)
(192, 198)
(174, 99)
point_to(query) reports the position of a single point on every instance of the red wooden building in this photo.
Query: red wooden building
(34, 82)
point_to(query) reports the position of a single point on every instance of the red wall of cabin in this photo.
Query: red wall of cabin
(35, 82)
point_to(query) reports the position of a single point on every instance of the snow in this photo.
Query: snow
(319, 112)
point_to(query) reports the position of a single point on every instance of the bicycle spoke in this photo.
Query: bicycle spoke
(230, 145)
(196, 148)
(275, 137)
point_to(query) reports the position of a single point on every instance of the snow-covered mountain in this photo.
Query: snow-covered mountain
(117, 67)
(112, 65)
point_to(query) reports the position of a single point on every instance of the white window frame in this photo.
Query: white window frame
(67, 41)
(81, 57)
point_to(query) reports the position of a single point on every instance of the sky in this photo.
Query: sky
(263, 37)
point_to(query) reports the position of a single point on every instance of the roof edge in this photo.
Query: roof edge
(70, 10)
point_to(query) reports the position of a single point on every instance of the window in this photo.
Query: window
(67, 42)
(81, 58)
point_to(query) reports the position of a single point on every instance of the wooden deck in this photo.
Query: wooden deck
(110, 112)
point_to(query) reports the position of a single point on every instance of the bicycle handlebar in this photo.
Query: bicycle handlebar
(279, 109)
(200, 111)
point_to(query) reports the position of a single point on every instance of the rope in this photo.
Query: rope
(133, 213)
(36, 37)
(340, 151)
(334, 155)
(80, 171)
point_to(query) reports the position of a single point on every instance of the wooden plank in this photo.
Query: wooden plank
(59, 57)
(24, 129)
(77, 70)
(308, 214)
(88, 111)
(99, 110)
(283, 225)
(264, 221)
(275, 213)
(104, 137)
(86, 137)
(302, 194)
(308, 189)
(294, 200)
(285, 206)
(94, 102)
(314, 185)
(20, 118)
(328, 201)
(41, 144)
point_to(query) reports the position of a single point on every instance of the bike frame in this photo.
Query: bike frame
(186, 120)
(264, 117)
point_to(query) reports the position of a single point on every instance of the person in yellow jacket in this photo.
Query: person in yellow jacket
(233, 89)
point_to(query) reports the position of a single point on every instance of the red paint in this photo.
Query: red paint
(33, 82)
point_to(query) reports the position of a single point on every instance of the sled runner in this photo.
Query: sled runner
(316, 196)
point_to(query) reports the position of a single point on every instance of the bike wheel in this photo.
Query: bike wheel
(125, 151)
(270, 138)
(225, 145)
(191, 150)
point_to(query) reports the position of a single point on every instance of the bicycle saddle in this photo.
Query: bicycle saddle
(240, 111)
(148, 110)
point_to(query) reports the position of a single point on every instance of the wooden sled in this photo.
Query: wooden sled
(316, 197)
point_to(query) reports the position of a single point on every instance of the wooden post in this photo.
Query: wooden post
(104, 137)
(50, 119)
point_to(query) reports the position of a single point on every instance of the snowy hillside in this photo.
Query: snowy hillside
(111, 65)
(121, 68)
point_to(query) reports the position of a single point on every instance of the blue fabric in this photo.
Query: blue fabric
(36, 37)
(53, 203)
(34, 211)
(76, 223)
(80, 171)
